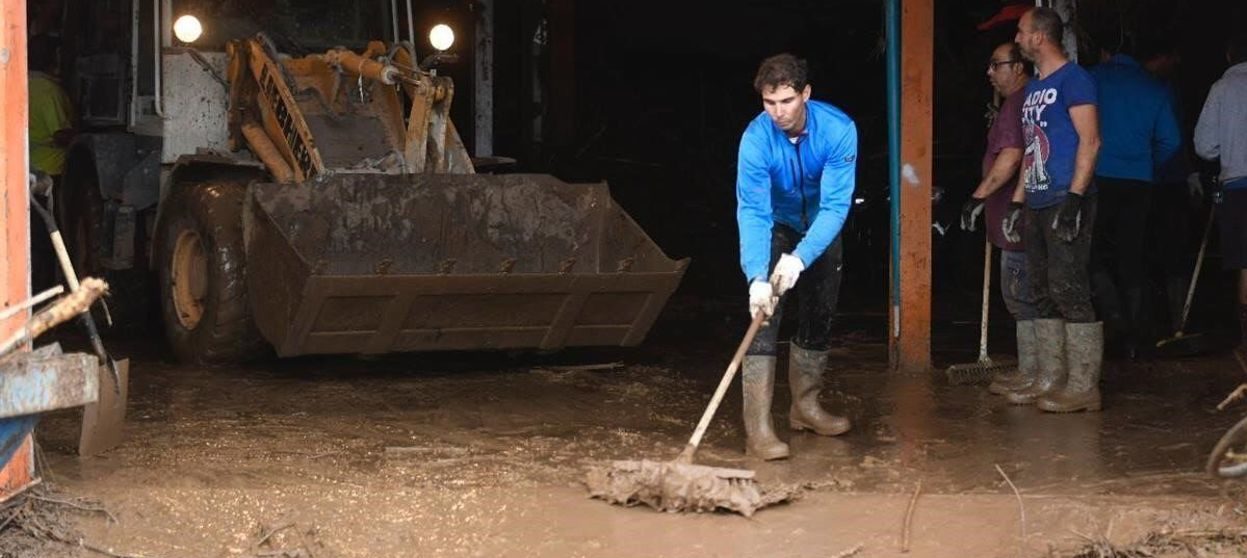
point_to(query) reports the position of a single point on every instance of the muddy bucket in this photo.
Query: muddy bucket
(373, 264)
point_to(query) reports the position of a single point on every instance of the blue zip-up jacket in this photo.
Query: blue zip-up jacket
(806, 186)
(1138, 123)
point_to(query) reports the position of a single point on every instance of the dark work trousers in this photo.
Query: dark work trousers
(817, 291)
(1058, 269)
(1170, 232)
(1118, 271)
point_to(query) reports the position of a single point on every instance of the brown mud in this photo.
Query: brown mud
(485, 455)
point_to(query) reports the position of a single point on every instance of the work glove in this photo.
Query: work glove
(1012, 222)
(787, 270)
(1194, 186)
(970, 213)
(762, 298)
(1068, 220)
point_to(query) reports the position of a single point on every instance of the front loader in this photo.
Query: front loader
(288, 195)
(347, 218)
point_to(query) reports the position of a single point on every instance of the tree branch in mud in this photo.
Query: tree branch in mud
(909, 517)
(1021, 510)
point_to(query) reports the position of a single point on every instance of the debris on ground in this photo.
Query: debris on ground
(288, 540)
(39, 519)
(1158, 544)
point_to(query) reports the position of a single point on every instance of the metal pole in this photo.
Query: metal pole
(484, 82)
(892, 24)
(411, 28)
(17, 470)
(394, 19)
(917, 148)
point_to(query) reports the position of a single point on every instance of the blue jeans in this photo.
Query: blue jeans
(1015, 286)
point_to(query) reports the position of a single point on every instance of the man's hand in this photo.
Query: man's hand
(1194, 186)
(786, 272)
(970, 213)
(762, 298)
(1068, 220)
(1012, 221)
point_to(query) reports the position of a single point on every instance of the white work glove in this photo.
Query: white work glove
(787, 270)
(761, 298)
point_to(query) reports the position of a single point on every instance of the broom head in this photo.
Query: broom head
(976, 372)
(672, 486)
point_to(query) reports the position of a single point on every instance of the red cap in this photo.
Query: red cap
(1009, 13)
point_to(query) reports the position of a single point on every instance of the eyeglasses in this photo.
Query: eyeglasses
(993, 66)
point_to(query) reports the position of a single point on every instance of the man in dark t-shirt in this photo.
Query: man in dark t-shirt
(1061, 132)
(1008, 74)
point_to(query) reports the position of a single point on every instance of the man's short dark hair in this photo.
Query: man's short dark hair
(780, 70)
(1048, 21)
(1155, 46)
(1237, 48)
(41, 53)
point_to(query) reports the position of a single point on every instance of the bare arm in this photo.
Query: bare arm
(1006, 164)
(1086, 122)
(1019, 191)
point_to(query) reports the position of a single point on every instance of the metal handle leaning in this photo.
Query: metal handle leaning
(686, 456)
(1199, 260)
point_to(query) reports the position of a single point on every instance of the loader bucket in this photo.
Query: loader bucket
(367, 263)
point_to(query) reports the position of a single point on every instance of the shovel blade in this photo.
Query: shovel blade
(103, 422)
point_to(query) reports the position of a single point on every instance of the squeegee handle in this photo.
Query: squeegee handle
(1199, 260)
(728, 375)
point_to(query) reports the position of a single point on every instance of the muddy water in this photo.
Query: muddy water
(482, 455)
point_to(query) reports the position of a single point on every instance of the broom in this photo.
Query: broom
(1183, 343)
(679, 485)
(983, 369)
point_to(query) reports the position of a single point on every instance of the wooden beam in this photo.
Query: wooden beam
(912, 343)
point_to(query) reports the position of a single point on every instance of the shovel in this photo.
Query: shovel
(102, 421)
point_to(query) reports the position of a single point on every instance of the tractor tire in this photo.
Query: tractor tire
(202, 272)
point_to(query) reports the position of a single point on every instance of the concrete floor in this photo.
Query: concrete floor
(482, 455)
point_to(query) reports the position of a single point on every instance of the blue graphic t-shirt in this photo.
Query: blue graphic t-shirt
(1051, 140)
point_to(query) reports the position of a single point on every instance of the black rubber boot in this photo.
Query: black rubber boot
(1050, 336)
(1084, 347)
(758, 385)
(1028, 362)
(805, 378)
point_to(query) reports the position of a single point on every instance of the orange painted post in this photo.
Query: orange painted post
(18, 473)
(911, 345)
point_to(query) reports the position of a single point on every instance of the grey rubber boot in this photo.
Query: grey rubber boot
(1028, 362)
(1084, 347)
(1050, 336)
(805, 377)
(758, 385)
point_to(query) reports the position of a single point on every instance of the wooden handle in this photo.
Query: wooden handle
(728, 375)
(987, 284)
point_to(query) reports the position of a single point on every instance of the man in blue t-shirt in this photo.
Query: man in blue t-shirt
(1062, 138)
(794, 180)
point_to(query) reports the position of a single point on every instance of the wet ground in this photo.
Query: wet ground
(482, 455)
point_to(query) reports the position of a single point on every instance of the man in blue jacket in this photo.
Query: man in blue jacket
(794, 182)
(1139, 128)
